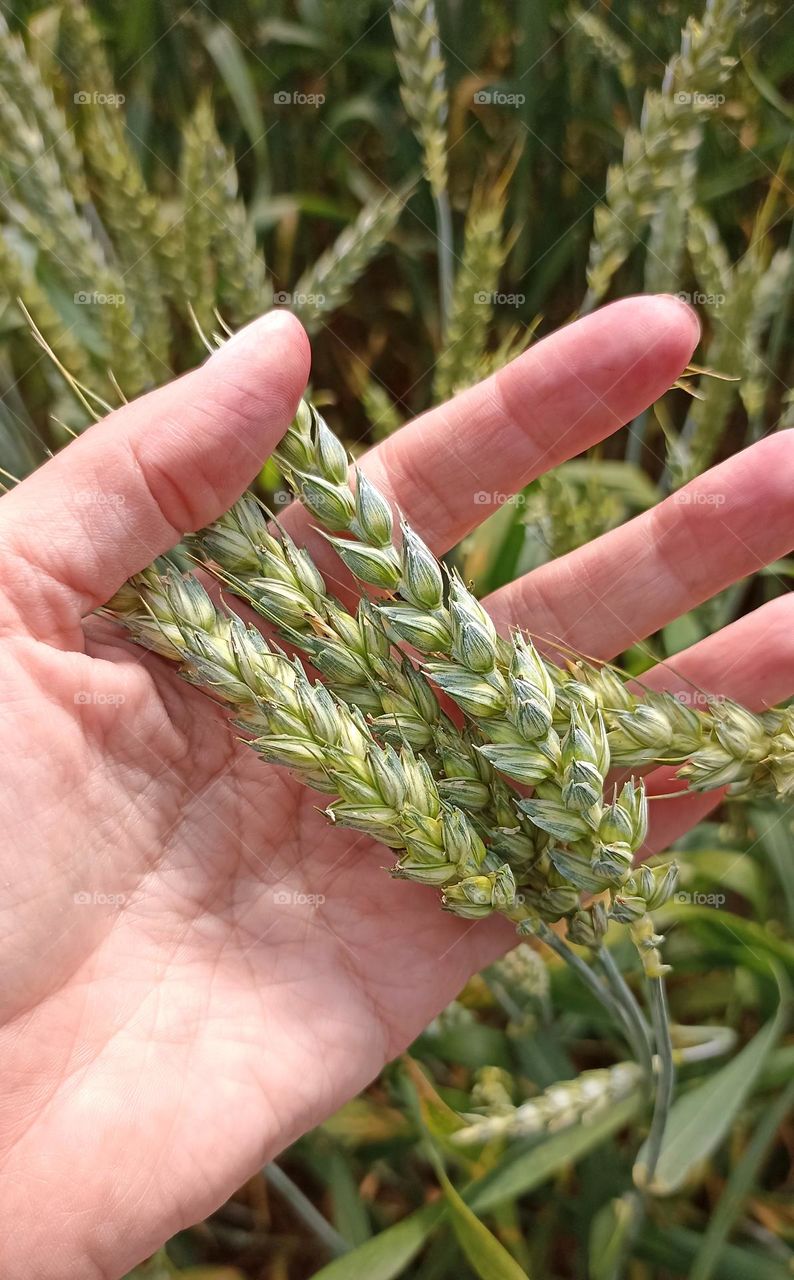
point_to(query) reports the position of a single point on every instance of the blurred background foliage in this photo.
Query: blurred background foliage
(170, 168)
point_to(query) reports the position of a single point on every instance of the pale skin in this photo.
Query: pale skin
(167, 1022)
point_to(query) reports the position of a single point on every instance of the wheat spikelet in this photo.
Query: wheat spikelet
(491, 679)
(38, 200)
(130, 213)
(424, 91)
(82, 48)
(608, 45)
(424, 95)
(574, 514)
(741, 301)
(512, 344)
(381, 411)
(199, 225)
(242, 287)
(21, 82)
(19, 281)
(485, 250)
(390, 796)
(132, 218)
(657, 157)
(561, 1106)
(325, 285)
(559, 731)
(770, 286)
(352, 652)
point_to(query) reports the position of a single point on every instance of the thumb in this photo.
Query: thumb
(132, 485)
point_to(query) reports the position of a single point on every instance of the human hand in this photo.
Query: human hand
(197, 967)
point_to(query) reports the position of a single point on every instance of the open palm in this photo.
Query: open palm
(197, 968)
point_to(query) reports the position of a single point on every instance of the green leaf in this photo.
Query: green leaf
(672, 1249)
(225, 48)
(700, 1120)
(487, 1255)
(739, 1186)
(440, 1120)
(773, 826)
(608, 1237)
(744, 941)
(349, 1213)
(387, 1255)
